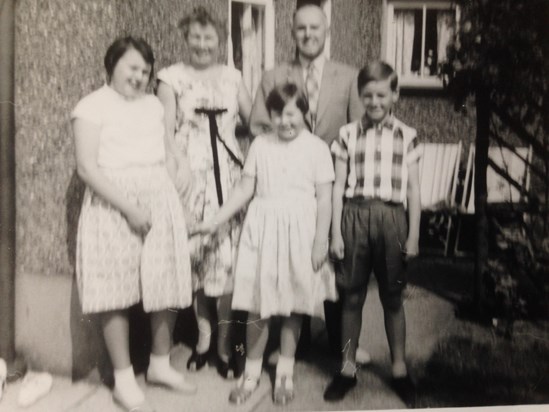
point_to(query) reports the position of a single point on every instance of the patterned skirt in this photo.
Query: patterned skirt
(117, 267)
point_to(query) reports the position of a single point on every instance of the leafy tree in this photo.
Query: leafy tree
(500, 58)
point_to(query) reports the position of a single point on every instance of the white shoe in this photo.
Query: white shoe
(3, 376)
(172, 380)
(34, 386)
(362, 357)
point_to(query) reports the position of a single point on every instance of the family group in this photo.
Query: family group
(175, 215)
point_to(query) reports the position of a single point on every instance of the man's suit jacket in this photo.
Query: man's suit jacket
(338, 102)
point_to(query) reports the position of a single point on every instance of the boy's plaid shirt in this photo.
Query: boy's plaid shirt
(377, 158)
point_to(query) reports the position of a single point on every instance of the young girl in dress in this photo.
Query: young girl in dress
(282, 267)
(132, 239)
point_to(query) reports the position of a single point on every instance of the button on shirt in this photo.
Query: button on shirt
(378, 157)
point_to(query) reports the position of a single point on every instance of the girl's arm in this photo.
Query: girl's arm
(86, 137)
(323, 217)
(244, 103)
(241, 195)
(337, 247)
(167, 96)
(414, 210)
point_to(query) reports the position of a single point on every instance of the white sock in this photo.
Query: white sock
(160, 363)
(253, 367)
(204, 336)
(285, 367)
(126, 385)
(161, 370)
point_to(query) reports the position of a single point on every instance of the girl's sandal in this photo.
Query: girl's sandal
(282, 394)
(245, 388)
(197, 361)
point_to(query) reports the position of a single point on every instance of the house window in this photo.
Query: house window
(326, 6)
(250, 46)
(416, 37)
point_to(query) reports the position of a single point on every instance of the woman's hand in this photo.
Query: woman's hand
(337, 247)
(139, 220)
(319, 254)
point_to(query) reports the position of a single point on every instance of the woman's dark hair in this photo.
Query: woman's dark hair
(201, 16)
(377, 71)
(120, 46)
(281, 95)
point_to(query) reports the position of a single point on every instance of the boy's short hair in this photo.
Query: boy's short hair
(281, 95)
(377, 71)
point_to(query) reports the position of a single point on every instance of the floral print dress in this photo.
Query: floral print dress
(212, 256)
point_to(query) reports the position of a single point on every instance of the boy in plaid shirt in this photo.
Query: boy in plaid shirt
(376, 167)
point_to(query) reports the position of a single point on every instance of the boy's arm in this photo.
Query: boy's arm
(414, 210)
(336, 245)
(323, 218)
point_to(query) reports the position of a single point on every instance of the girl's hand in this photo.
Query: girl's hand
(204, 228)
(319, 254)
(337, 247)
(139, 220)
(411, 249)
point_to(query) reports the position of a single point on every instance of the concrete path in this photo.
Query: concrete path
(428, 317)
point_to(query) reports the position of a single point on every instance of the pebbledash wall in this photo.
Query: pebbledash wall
(60, 46)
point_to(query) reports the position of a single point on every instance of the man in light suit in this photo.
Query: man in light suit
(331, 88)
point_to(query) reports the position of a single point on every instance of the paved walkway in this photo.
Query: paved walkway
(428, 318)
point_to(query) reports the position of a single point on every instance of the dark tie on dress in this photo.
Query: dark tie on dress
(214, 133)
(312, 86)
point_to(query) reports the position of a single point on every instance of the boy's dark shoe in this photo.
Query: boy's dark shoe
(405, 388)
(338, 387)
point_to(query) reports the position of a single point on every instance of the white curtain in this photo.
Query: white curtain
(252, 47)
(403, 32)
(445, 31)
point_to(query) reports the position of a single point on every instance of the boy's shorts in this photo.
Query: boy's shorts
(374, 233)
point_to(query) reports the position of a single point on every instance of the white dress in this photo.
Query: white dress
(274, 273)
(116, 267)
(212, 256)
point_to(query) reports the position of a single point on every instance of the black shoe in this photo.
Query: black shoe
(338, 387)
(228, 370)
(406, 390)
(197, 361)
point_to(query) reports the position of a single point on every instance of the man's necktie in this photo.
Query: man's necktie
(311, 83)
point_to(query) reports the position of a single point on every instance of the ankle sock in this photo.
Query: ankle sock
(399, 370)
(253, 367)
(285, 367)
(204, 336)
(126, 385)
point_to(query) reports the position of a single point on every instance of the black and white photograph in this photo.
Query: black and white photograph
(274, 205)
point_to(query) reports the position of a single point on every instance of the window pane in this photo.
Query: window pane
(406, 48)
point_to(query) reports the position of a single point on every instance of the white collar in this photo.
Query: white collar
(318, 64)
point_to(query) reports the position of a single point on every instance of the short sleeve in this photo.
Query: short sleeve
(250, 165)
(340, 144)
(413, 151)
(169, 76)
(88, 109)
(324, 172)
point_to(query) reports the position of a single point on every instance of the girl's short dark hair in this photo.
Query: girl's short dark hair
(281, 95)
(120, 46)
(201, 16)
(377, 71)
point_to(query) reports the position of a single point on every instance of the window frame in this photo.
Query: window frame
(269, 31)
(414, 82)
